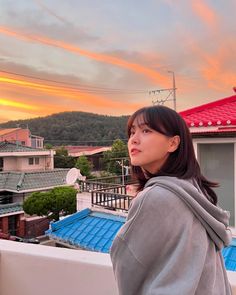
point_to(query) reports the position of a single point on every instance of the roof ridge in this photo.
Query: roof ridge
(208, 105)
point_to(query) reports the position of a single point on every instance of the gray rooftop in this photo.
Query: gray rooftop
(10, 208)
(31, 181)
(6, 147)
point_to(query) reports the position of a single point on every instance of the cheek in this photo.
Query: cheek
(161, 147)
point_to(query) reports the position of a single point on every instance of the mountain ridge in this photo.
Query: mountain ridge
(75, 128)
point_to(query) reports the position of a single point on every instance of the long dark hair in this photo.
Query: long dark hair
(181, 163)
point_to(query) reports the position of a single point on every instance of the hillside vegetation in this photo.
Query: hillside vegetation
(75, 128)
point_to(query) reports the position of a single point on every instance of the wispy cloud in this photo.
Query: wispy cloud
(10, 103)
(51, 12)
(206, 14)
(57, 93)
(153, 75)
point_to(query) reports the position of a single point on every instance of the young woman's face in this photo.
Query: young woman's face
(148, 148)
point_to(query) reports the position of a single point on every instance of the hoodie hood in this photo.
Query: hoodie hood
(214, 219)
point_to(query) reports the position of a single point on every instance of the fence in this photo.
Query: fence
(113, 198)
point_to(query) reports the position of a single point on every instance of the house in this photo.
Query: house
(24, 170)
(93, 153)
(213, 129)
(14, 188)
(16, 157)
(21, 136)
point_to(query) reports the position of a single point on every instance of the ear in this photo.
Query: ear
(174, 143)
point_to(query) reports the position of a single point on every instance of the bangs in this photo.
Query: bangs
(149, 117)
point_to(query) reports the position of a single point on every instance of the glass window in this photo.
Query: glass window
(217, 164)
(31, 161)
(36, 161)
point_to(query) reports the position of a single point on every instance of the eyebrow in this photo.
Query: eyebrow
(139, 125)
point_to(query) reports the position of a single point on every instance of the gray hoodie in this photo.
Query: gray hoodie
(171, 242)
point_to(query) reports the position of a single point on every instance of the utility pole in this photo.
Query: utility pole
(170, 90)
(174, 88)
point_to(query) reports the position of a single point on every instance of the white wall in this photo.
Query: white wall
(22, 163)
(9, 164)
(27, 269)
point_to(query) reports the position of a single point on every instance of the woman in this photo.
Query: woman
(171, 241)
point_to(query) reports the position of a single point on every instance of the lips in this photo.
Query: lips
(134, 152)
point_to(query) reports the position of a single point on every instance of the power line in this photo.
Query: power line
(81, 87)
(171, 91)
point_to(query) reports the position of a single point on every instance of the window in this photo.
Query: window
(1, 164)
(33, 161)
(217, 164)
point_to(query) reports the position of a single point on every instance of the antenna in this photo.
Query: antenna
(74, 174)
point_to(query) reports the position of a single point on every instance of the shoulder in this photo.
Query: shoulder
(156, 196)
(157, 205)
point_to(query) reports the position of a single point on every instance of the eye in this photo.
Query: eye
(131, 133)
(146, 130)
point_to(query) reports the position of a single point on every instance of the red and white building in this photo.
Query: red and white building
(21, 136)
(213, 128)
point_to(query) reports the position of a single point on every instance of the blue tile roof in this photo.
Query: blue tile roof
(87, 230)
(229, 255)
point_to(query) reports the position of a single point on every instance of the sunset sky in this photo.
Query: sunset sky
(107, 57)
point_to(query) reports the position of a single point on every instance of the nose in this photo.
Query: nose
(134, 139)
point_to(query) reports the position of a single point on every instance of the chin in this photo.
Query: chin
(136, 163)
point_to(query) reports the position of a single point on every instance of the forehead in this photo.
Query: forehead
(139, 121)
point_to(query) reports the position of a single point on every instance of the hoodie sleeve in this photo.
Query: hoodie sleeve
(156, 249)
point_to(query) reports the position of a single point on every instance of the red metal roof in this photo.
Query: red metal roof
(218, 113)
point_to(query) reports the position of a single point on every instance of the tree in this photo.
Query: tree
(56, 202)
(62, 160)
(84, 165)
(48, 146)
(62, 151)
(112, 158)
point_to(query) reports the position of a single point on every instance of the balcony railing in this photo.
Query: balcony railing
(103, 182)
(113, 198)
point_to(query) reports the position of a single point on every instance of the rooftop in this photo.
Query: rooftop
(87, 229)
(10, 208)
(218, 113)
(6, 147)
(8, 130)
(229, 254)
(85, 150)
(32, 181)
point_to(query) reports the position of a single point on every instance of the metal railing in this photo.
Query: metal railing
(113, 198)
(99, 183)
(108, 192)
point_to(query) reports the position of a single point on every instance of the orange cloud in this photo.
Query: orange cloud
(205, 13)
(215, 69)
(6, 102)
(58, 95)
(151, 74)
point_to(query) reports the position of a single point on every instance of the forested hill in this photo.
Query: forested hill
(75, 128)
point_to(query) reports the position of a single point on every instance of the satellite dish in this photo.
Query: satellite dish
(72, 175)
